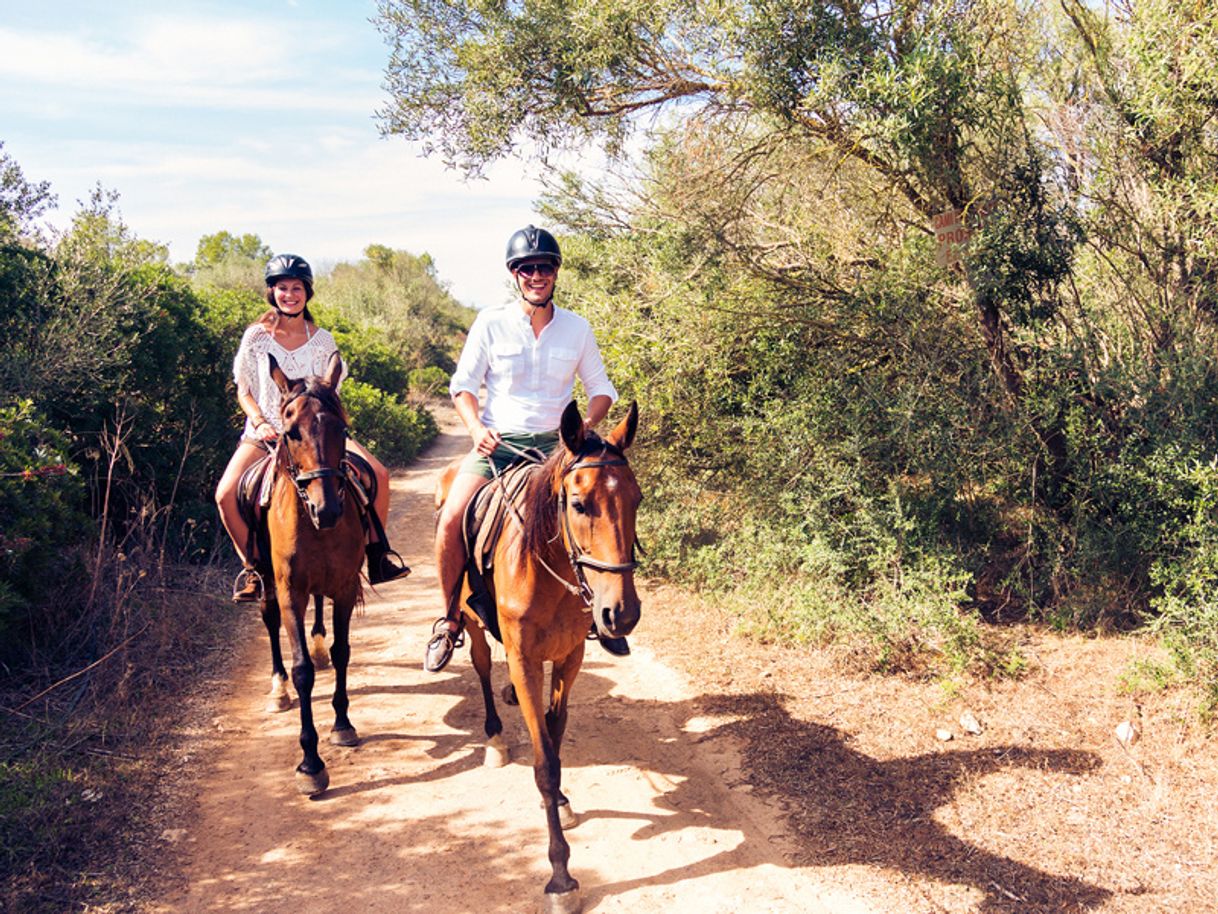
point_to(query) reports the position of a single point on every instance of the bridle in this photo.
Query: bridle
(576, 554)
(301, 479)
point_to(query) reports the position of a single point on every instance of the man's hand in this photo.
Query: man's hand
(485, 440)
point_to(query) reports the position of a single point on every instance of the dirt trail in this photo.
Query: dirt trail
(412, 820)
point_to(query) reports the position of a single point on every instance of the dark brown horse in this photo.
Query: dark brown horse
(568, 553)
(316, 549)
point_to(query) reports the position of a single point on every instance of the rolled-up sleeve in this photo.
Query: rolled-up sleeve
(471, 367)
(591, 370)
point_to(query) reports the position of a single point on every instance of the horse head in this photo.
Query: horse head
(598, 502)
(314, 439)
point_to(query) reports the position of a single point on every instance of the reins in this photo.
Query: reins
(578, 558)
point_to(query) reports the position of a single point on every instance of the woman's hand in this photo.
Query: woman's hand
(265, 431)
(485, 440)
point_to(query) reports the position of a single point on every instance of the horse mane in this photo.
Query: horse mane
(540, 512)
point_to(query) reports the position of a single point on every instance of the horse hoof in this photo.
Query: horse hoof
(319, 654)
(312, 785)
(497, 752)
(344, 737)
(509, 695)
(278, 703)
(564, 902)
(567, 817)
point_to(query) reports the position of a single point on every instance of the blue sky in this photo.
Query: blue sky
(244, 116)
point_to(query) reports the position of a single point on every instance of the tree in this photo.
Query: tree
(21, 202)
(827, 406)
(213, 250)
(399, 297)
(925, 95)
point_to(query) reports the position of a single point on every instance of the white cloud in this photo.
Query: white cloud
(327, 206)
(205, 121)
(230, 64)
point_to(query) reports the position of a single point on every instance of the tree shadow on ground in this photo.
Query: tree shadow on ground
(849, 808)
(844, 807)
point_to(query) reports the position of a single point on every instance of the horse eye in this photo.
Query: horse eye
(293, 432)
(578, 507)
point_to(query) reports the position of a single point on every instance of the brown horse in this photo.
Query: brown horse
(316, 548)
(568, 552)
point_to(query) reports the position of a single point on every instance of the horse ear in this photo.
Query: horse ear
(334, 371)
(277, 375)
(623, 435)
(571, 428)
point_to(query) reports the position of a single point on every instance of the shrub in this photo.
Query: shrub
(428, 381)
(1188, 605)
(42, 502)
(391, 429)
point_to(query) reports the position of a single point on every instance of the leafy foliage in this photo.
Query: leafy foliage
(398, 296)
(214, 249)
(827, 407)
(391, 429)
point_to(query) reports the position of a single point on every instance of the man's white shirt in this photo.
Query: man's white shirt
(529, 380)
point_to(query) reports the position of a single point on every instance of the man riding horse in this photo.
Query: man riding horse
(528, 355)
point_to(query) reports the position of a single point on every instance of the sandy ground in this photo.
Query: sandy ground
(413, 821)
(714, 774)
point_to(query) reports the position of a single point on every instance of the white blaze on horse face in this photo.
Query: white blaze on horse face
(611, 483)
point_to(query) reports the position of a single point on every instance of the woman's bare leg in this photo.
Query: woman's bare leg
(243, 458)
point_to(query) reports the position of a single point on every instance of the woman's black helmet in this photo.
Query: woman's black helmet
(289, 266)
(532, 243)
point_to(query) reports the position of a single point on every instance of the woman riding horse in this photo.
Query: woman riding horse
(301, 349)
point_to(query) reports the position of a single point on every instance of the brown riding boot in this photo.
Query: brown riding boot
(247, 588)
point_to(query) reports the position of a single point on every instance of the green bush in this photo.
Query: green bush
(428, 381)
(389, 428)
(1187, 609)
(372, 362)
(42, 509)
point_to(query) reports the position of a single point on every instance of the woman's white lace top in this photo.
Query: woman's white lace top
(252, 371)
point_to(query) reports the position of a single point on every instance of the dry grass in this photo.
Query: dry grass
(1045, 810)
(84, 763)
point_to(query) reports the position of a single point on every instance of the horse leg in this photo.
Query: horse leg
(497, 754)
(317, 638)
(279, 699)
(562, 677)
(343, 733)
(311, 775)
(562, 891)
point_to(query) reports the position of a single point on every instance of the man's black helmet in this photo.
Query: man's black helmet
(531, 243)
(289, 266)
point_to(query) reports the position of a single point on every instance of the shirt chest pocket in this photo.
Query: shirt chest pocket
(561, 364)
(509, 360)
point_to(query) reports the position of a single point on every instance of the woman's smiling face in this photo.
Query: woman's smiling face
(290, 296)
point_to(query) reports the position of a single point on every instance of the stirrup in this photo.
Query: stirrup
(442, 644)
(248, 586)
(386, 565)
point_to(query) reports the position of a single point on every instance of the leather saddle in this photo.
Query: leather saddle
(254, 495)
(486, 516)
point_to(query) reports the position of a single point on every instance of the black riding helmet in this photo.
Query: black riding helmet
(532, 243)
(289, 266)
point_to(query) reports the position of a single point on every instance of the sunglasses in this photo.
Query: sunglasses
(541, 269)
